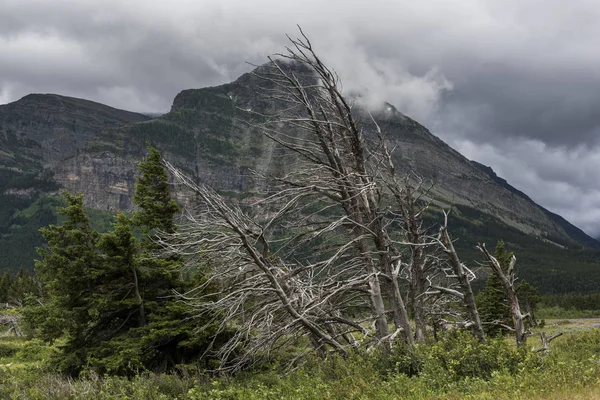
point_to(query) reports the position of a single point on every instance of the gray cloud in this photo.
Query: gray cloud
(512, 84)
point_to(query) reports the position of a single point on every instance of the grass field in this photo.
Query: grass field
(455, 368)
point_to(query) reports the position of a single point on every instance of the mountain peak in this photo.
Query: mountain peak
(56, 103)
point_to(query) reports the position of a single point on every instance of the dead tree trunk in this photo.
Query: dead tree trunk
(407, 199)
(546, 342)
(417, 268)
(508, 280)
(460, 273)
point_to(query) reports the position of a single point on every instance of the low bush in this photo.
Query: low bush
(9, 347)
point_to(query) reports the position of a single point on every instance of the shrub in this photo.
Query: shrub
(459, 355)
(8, 348)
(34, 350)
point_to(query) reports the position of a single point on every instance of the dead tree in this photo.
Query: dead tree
(333, 164)
(271, 293)
(463, 276)
(271, 301)
(508, 282)
(546, 342)
(411, 202)
(12, 322)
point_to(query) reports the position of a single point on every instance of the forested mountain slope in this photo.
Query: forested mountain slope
(49, 142)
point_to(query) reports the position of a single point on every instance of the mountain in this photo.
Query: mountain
(574, 233)
(49, 142)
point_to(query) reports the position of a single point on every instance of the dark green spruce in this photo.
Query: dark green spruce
(112, 296)
(492, 301)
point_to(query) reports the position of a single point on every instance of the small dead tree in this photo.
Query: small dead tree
(463, 276)
(411, 201)
(508, 283)
(12, 322)
(419, 269)
(546, 342)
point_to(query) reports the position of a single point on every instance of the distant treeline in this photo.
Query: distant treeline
(572, 301)
(14, 288)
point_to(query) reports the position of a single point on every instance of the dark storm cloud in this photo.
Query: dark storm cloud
(513, 84)
(498, 103)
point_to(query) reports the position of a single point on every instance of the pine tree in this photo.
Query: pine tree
(66, 268)
(138, 284)
(120, 272)
(112, 294)
(153, 196)
(492, 302)
(156, 215)
(117, 308)
(160, 276)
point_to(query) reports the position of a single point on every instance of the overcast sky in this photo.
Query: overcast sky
(513, 84)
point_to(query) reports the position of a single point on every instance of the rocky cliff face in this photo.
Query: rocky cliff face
(91, 148)
(49, 128)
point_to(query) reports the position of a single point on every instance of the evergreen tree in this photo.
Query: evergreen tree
(67, 268)
(156, 332)
(112, 294)
(13, 290)
(492, 302)
(156, 214)
(119, 287)
(153, 196)
(117, 307)
(5, 285)
(167, 330)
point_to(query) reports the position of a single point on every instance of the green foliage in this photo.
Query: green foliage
(65, 268)
(492, 302)
(110, 295)
(459, 355)
(528, 300)
(14, 289)
(8, 349)
(34, 350)
(578, 346)
(447, 370)
(153, 196)
(588, 304)
(556, 312)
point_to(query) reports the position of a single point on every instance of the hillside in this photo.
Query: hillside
(50, 141)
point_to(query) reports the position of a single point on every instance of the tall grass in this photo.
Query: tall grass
(457, 367)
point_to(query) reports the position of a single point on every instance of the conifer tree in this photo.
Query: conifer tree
(492, 301)
(528, 294)
(170, 335)
(112, 294)
(153, 196)
(156, 215)
(67, 268)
